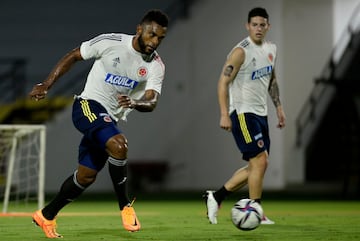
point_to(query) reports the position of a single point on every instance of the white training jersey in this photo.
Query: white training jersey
(119, 69)
(248, 91)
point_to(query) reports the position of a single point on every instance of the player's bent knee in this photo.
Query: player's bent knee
(117, 146)
(84, 179)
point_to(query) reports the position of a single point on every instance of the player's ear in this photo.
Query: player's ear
(139, 29)
(268, 26)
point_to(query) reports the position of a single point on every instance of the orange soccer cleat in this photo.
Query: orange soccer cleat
(129, 219)
(48, 226)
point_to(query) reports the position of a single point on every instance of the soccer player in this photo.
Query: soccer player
(127, 74)
(247, 77)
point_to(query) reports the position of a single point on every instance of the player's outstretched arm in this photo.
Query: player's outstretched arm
(146, 104)
(40, 90)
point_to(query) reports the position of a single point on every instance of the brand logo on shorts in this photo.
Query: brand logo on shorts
(260, 143)
(106, 117)
(258, 136)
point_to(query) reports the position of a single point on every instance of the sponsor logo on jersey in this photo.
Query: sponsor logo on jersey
(121, 81)
(257, 74)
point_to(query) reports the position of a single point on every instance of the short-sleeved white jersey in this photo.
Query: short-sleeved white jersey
(119, 69)
(248, 91)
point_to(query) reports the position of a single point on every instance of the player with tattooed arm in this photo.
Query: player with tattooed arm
(247, 78)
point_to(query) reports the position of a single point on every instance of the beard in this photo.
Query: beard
(147, 56)
(142, 46)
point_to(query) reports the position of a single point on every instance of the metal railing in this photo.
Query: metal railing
(315, 105)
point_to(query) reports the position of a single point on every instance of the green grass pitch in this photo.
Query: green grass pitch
(185, 220)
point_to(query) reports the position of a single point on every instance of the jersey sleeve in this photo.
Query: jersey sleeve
(275, 53)
(94, 48)
(155, 81)
(88, 50)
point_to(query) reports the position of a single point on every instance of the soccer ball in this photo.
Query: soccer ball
(246, 214)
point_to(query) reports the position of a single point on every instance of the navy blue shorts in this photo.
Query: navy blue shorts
(251, 133)
(93, 121)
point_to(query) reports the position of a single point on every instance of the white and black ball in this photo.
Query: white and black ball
(246, 214)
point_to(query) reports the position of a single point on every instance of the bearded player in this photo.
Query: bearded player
(127, 74)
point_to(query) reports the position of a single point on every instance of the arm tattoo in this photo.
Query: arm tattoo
(274, 92)
(228, 70)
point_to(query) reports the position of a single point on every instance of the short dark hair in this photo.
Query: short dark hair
(157, 16)
(261, 12)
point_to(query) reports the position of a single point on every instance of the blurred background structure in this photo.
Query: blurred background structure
(180, 146)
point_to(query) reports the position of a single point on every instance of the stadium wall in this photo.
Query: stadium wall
(183, 130)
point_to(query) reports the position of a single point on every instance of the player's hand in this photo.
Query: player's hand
(225, 123)
(125, 101)
(39, 91)
(281, 117)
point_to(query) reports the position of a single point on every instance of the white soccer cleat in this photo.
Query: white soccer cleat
(266, 220)
(212, 206)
